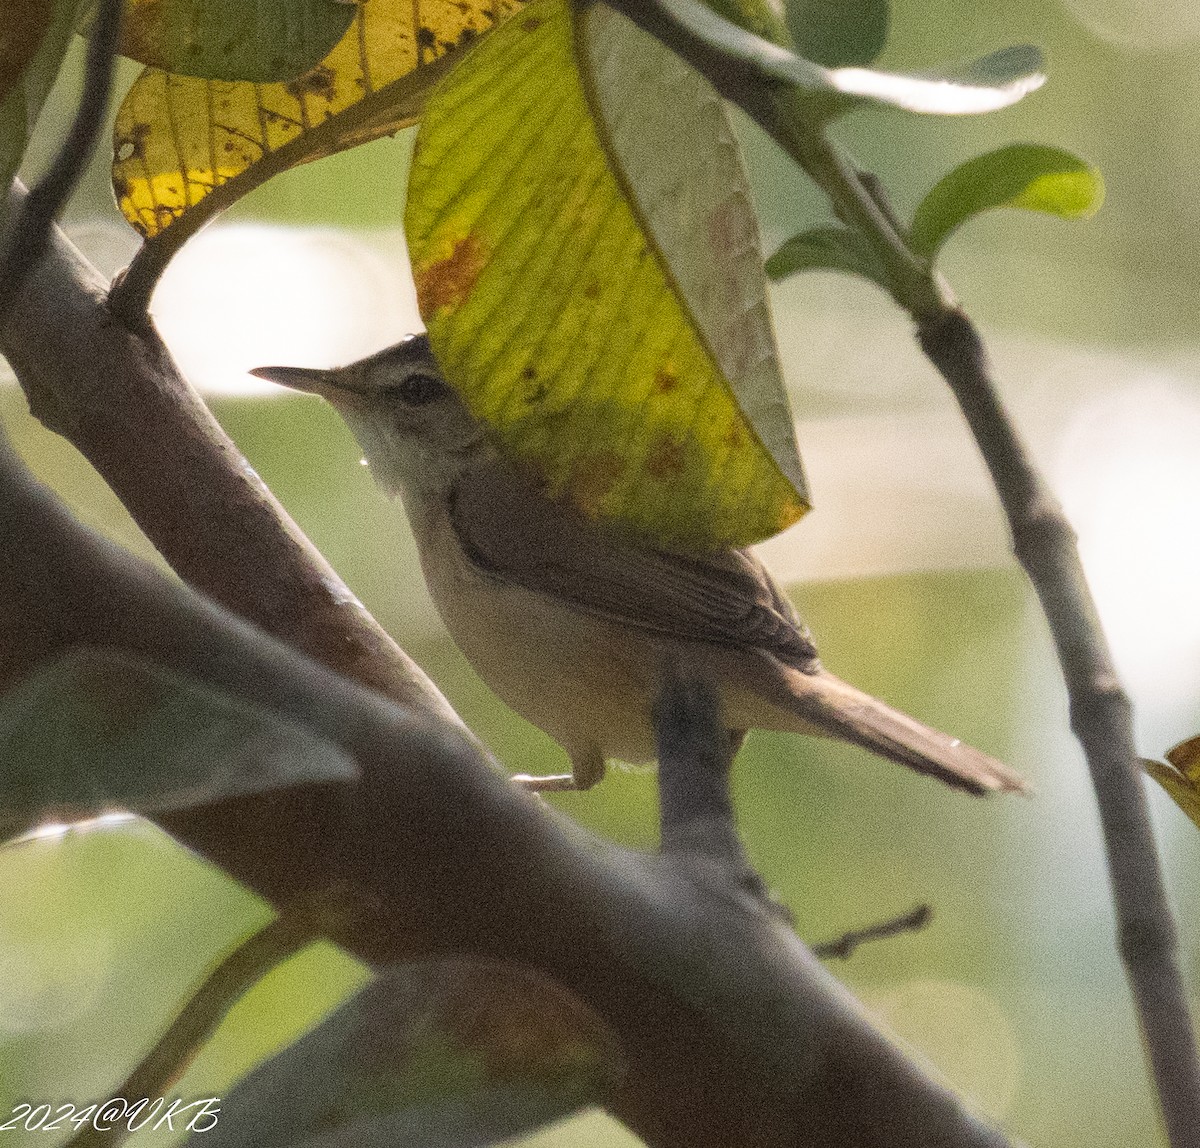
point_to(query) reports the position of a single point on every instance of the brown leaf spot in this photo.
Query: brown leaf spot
(665, 460)
(734, 436)
(449, 281)
(426, 42)
(594, 477)
(528, 372)
(665, 380)
(532, 24)
(318, 82)
(591, 290)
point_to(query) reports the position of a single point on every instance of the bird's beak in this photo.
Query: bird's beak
(312, 380)
(309, 379)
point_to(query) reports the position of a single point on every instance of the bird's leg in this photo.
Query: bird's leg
(587, 768)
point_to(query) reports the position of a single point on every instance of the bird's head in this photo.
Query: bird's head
(414, 430)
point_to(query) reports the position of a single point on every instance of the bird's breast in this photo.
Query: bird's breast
(582, 679)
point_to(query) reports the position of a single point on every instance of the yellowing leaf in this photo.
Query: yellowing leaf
(233, 39)
(180, 142)
(588, 267)
(1179, 775)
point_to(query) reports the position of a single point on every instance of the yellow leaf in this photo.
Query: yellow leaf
(587, 266)
(1179, 775)
(178, 140)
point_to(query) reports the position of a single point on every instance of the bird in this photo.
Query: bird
(571, 622)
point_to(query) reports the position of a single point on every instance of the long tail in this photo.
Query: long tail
(826, 704)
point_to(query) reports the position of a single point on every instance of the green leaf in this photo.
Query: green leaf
(258, 40)
(1031, 176)
(441, 1054)
(97, 729)
(827, 249)
(984, 85)
(1179, 775)
(587, 263)
(839, 32)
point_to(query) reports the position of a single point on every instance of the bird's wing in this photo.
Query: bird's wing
(726, 598)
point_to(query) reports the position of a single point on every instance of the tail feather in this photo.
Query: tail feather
(828, 705)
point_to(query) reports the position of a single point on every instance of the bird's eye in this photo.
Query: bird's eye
(418, 389)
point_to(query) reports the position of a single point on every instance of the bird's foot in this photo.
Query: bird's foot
(547, 783)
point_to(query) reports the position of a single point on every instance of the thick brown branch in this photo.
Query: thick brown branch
(121, 401)
(1100, 716)
(732, 1033)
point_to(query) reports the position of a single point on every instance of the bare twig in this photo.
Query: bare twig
(1101, 716)
(30, 229)
(844, 946)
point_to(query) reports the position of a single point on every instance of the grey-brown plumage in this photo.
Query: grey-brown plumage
(572, 622)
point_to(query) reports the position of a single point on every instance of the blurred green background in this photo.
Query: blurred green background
(1014, 992)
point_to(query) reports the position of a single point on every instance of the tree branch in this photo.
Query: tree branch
(119, 398)
(732, 1032)
(843, 948)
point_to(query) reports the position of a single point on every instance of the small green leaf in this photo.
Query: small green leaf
(263, 41)
(839, 32)
(1179, 775)
(983, 85)
(100, 729)
(827, 249)
(441, 1054)
(1031, 176)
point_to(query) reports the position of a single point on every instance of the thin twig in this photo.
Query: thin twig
(30, 229)
(1101, 716)
(1044, 544)
(845, 945)
(695, 753)
(283, 937)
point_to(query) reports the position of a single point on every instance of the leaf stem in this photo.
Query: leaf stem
(912, 283)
